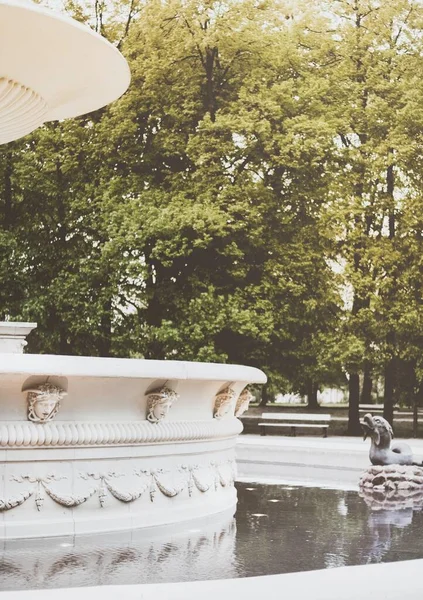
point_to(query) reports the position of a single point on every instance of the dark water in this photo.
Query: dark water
(278, 529)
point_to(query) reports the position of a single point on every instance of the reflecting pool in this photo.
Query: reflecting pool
(278, 529)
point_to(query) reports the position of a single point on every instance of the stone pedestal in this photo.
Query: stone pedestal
(12, 336)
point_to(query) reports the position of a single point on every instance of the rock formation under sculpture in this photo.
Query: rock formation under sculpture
(396, 478)
(392, 487)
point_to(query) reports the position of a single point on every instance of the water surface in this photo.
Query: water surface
(278, 529)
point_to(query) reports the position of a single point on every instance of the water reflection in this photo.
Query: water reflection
(396, 499)
(134, 557)
(313, 528)
(390, 511)
(279, 529)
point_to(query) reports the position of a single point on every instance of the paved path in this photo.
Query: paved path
(305, 460)
(355, 444)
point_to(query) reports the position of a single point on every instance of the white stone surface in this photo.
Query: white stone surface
(389, 581)
(162, 370)
(96, 462)
(52, 67)
(12, 336)
(331, 462)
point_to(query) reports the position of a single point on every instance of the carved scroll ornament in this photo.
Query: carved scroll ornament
(15, 500)
(44, 402)
(169, 483)
(159, 403)
(41, 485)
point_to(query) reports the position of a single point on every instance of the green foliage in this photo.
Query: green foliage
(255, 196)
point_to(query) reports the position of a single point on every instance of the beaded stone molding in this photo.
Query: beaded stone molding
(63, 434)
(184, 479)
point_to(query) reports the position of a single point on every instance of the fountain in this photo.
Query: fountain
(97, 444)
(93, 445)
(52, 68)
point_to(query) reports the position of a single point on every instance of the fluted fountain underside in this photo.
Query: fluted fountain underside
(21, 110)
(51, 68)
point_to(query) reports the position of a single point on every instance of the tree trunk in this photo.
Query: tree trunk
(361, 300)
(152, 315)
(7, 217)
(105, 342)
(388, 400)
(63, 340)
(366, 390)
(266, 396)
(312, 389)
(211, 54)
(415, 416)
(354, 427)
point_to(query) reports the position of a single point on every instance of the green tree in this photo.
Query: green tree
(222, 208)
(378, 53)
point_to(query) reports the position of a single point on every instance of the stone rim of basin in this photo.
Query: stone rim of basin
(62, 365)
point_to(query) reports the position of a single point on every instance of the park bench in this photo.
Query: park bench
(294, 421)
(377, 409)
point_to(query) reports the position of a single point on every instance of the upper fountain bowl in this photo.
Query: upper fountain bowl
(52, 68)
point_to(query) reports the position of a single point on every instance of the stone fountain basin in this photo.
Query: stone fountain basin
(100, 464)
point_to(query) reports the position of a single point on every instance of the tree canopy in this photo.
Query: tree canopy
(255, 197)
